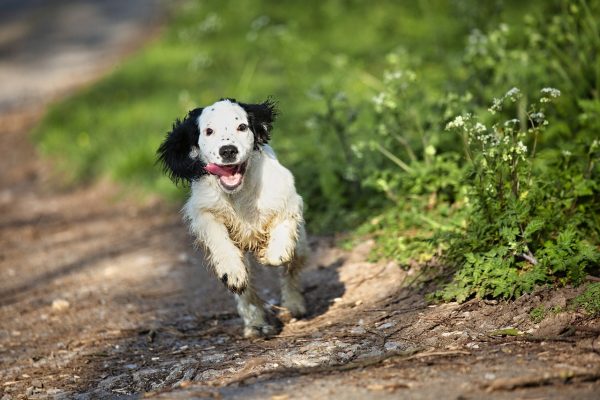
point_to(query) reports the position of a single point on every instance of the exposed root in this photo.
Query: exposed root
(543, 380)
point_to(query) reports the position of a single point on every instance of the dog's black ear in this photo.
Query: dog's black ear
(179, 153)
(261, 117)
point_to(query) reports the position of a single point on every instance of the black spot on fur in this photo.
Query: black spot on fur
(237, 290)
(174, 152)
(234, 289)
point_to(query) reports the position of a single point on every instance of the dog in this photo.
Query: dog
(243, 203)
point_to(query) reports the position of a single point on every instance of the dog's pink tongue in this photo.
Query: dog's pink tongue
(219, 171)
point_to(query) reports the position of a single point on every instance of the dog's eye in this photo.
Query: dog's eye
(242, 127)
(209, 131)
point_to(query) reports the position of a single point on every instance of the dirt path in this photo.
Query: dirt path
(104, 298)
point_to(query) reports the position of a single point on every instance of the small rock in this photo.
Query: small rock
(472, 345)
(60, 305)
(358, 330)
(389, 346)
(454, 333)
(36, 383)
(554, 325)
(372, 353)
(489, 376)
(386, 325)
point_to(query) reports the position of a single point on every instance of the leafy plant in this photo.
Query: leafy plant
(519, 233)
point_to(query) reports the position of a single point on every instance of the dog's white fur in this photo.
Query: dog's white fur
(261, 218)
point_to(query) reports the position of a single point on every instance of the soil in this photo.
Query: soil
(104, 297)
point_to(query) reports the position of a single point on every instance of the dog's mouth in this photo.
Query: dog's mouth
(230, 176)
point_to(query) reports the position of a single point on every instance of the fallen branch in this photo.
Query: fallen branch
(439, 354)
(545, 379)
(592, 278)
(248, 372)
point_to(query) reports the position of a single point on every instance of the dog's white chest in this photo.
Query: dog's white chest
(247, 226)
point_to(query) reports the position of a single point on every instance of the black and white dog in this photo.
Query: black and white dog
(243, 202)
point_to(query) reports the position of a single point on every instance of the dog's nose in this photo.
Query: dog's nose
(228, 152)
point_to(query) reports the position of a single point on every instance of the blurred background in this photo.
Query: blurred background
(446, 151)
(366, 91)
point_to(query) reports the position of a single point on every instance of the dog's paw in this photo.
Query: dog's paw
(295, 306)
(278, 252)
(236, 280)
(271, 327)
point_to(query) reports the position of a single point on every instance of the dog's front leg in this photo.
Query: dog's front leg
(282, 243)
(258, 321)
(227, 260)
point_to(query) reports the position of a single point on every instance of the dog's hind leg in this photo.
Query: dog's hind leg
(291, 290)
(258, 322)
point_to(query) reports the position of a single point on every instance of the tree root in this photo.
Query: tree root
(543, 380)
(249, 371)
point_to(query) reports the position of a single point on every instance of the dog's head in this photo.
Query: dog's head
(218, 140)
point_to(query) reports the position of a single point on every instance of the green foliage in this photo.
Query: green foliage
(509, 200)
(526, 191)
(301, 53)
(589, 300)
(523, 230)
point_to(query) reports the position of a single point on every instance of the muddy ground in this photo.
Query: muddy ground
(104, 297)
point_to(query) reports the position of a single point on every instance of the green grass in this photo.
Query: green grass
(250, 50)
(589, 300)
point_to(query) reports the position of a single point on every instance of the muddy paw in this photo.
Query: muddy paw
(235, 282)
(296, 308)
(271, 328)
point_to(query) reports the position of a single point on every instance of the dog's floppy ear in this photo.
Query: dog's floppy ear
(261, 117)
(179, 153)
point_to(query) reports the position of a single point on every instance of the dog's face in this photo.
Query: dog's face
(217, 140)
(225, 143)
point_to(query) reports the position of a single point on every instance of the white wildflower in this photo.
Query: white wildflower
(521, 148)
(538, 117)
(496, 105)
(567, 153)
(512, 122)
(480, 128)
(378, 100)
(552, 92)
(458, 122)
(549, 94)
(514, 94)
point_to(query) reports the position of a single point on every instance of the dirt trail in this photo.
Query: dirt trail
(104, 298)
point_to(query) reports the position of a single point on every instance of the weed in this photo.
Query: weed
(538, 314)
(589, 300)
